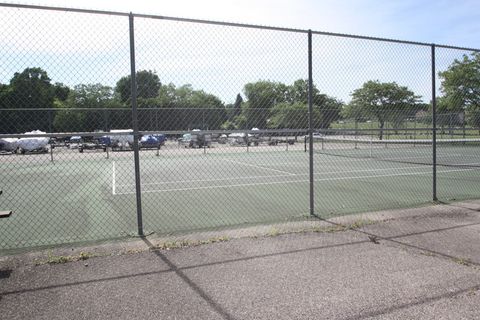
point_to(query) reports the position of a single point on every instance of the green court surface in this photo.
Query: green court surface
(87, 197)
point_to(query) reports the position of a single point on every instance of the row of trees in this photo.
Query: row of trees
(31, 101)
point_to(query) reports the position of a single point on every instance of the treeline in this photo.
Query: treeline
(32, 101)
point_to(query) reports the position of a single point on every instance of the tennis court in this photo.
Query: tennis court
(89, 197)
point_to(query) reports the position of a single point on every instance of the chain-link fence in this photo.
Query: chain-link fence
(116, 125)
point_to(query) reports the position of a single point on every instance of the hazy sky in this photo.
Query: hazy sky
(454, 22)
(90, 48)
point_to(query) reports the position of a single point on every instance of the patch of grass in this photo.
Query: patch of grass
(215, 239)
(344, 227)
(169, 245)
(462, 261)
(427, 253)
(54, 259)
(472, 292)
(85, 255)
(273, 232)
(329, 229)
(360, 224)
(134, 251)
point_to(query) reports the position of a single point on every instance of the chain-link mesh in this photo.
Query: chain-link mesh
(59, 71)
(224, 82)
(223, 115)
(458, 103)
(383, 86)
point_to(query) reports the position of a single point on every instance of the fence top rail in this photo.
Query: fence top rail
(230, 24)
(266, 131)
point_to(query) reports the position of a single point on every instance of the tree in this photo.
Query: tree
(447, 115)
(328, 108)
(73, 114)
(277, 105)
(182, 108)
(237, 107)
(280, 106)
(233, 110)
(29, 92)
(262, 96)
(382, 102)
(148, 84)
(209, 109)
(61, 91)
(461, 87)
(291, 116)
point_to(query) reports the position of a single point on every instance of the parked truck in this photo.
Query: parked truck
(196, 139)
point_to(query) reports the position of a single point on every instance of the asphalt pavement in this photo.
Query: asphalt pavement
(421, 263)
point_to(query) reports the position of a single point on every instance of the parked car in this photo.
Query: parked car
(8, 145)
(74, 142)
(32, 144)
(122, 141)
(196, 139)
(185, 140)
(152, 141)
(95, 144)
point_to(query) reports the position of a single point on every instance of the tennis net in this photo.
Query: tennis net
(450, 152)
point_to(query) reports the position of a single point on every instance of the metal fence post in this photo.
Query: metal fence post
(434, 127)
(138, 190)
(310, 123)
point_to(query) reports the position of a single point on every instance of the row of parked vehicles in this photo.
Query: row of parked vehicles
(199, 139)
(31, 142)
(118, 140)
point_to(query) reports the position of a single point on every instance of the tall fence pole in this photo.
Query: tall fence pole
(138, 190)
(310, 123)
(434, 126)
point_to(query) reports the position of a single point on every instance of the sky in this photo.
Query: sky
(89, 49)
(452, 22)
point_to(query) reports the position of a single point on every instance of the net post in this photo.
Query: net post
(370, 145)
(310, 123)
(414, 131)
(136, 155)
(204, 142)
(434, 128)
(356, 133)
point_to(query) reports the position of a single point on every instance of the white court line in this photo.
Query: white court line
(294, 181)
(270, 176)
(259, 167)
(209, 180)
(113, 178)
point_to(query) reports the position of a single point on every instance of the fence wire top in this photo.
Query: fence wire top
(230, 24)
